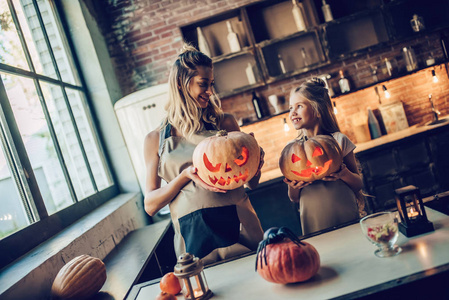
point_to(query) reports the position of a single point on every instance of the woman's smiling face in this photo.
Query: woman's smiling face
(301, 113)
(200, 86)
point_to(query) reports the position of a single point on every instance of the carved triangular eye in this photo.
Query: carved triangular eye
(317, 152)
(243, 158)
(209, 165)
(295, 158)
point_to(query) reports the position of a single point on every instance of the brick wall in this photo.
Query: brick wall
(144, 37)
(411, 90)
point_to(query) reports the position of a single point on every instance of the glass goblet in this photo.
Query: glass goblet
(381, 229)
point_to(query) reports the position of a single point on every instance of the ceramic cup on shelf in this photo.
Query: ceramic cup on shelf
(274, 101)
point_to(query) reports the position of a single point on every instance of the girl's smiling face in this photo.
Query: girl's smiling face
(301, 113)
(200, 86)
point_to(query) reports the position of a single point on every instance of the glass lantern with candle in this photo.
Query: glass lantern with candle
(411, 211)
(190, 270)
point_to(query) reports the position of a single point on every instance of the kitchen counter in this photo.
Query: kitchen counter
(392, 137)
(349, 269)
(372, 144)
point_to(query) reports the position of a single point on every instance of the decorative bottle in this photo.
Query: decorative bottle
(233, 39)
(373, 124)
(305, 60)
(281, 64)
(389, 67)
(298, 15)
(202, 43)
(410, 58)
(343, 83)
(257, 107)
(417, 23)
(250, 74)
(327, 13)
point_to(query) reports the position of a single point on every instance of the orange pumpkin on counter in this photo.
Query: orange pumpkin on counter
(283, 258)
(310, 160)
(227, 160)
(80, 278)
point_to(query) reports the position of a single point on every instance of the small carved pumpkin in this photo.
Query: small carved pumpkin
(80, 278)
(310, 160)
(283, 258)
(227, 160)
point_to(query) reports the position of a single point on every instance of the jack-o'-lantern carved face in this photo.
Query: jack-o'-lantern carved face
(310, 160)
(227, 160)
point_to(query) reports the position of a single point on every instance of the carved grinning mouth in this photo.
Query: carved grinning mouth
(226, 181)
(318, 170)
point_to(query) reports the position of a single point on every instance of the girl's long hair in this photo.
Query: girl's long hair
(315, 91)
(183, 111)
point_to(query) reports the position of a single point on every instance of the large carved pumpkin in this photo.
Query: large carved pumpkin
(283, 258)
(310, 160)
(80, 278)
(227, 160)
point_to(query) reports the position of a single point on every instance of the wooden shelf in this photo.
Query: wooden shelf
(266, 29)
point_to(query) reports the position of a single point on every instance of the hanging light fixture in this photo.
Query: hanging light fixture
(434, 77)
(386, 92)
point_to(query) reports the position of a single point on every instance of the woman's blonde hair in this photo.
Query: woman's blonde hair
(315, 91)
(183, 111)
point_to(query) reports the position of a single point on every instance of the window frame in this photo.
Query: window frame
(18, 243)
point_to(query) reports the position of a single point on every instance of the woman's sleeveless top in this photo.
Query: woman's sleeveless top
(212, 226)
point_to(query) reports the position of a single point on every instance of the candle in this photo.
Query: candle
(412, 214)
(197, 293)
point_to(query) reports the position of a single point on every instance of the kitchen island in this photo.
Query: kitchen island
(349, 270)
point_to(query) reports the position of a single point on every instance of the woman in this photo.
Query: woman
(210, 223)
(337, 198)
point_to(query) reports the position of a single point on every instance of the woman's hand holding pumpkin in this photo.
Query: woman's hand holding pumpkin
(262, 156)
(262, 161)
(191, 173)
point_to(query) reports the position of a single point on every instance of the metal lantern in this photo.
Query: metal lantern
(411, 210)
(190, 270)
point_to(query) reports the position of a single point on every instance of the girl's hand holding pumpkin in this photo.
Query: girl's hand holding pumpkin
(337, 175)
(192, 174)
(296, 184)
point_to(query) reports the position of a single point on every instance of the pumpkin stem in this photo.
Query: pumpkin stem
(222, 133)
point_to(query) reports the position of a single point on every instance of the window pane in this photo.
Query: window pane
(34, 37)
(65, 131)
(58, 43)
(13, 216)
(90, 143)
(38, 143)
(11, 52)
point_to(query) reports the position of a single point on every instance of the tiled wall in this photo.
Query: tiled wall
(143, 39)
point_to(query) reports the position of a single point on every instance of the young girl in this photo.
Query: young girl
(209, 222)
(332, 200)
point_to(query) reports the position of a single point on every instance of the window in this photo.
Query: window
(52, 168)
